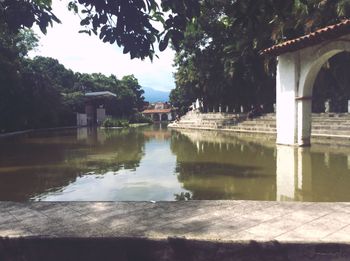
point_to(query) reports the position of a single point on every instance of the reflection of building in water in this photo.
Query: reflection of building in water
(212, 166)
(293, 170)
(82, 134)
(255, 169)
(158, 135)
(91, 135)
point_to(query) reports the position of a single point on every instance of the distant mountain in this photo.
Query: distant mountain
(152, 95)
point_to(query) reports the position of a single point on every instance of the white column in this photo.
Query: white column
(160, 117)
(293, 173)
(304, 121)
(286, 172)
(286, 91)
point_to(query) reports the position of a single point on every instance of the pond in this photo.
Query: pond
(155, 163)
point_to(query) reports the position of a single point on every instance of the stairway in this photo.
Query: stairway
(331, 125)
(193, 120)
(264, 124)
(323, 125)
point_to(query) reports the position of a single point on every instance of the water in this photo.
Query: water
(154, 163)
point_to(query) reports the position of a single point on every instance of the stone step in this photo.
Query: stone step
(342, 132)
(322, 124)
(333, 128)
(250, 129)
(249, 123)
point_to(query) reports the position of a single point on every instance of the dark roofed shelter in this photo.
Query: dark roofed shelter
(95, 108)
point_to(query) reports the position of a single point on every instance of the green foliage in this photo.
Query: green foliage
(41, 92)
(27, 98)
(133, 24)
(219, 59)
(182, 97)
(62, 79)
(19, 14)
(129, 93)
(112, 122)
(118, 122)
(139, 118)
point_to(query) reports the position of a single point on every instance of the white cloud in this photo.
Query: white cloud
(88, 54)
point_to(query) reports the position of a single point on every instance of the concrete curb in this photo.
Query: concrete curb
(172, 249)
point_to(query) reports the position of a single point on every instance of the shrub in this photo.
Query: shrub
(139, 118)
(111, 122)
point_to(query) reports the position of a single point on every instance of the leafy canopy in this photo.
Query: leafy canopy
(134, 24)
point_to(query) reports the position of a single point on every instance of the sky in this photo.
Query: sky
(87, 54)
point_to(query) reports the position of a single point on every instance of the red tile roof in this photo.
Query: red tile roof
(157, 111)
(327, 33)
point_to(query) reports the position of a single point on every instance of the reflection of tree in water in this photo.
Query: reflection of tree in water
(329, 179)
(119, 149)
(49, 161)
(224, 168)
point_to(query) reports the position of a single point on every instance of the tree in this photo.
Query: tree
(182, 98)
(132, 83)
(62, 78)
(13, 47)
(19, 14)
(129, 93)
(132, 24)
(219, 58)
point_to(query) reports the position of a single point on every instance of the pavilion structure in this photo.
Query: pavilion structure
(159, 112)
(299, 61)
(95, 108)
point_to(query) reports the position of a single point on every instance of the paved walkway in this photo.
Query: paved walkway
(224, 221)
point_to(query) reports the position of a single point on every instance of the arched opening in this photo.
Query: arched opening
(296, 74)
(156, 117)
(164, 117)
(311, 63)
(331, 90)
(298, 63)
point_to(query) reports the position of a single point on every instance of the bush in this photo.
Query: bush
(139, 118)
(110, 122)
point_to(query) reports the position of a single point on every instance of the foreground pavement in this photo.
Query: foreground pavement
(281, 230)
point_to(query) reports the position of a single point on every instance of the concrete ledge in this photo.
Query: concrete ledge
(316, 138)
(171, 249)
(15, 133)
(166, 230)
